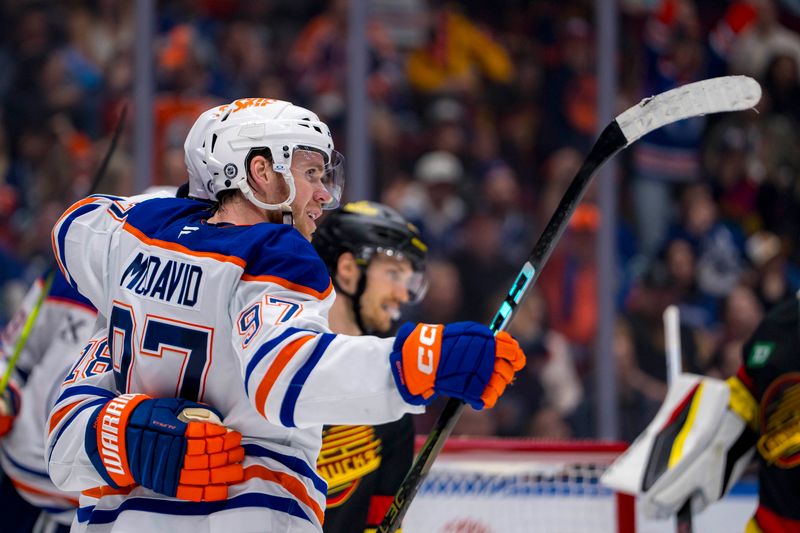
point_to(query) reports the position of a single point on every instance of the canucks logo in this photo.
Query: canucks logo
(348, 454)
(779, 443)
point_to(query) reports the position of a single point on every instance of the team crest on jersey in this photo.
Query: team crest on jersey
(163, 279)
(348, 454)
(780, 422)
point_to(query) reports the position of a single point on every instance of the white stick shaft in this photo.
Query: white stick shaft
(672, 342)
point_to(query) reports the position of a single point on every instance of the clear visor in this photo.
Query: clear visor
(314, 166)
(399, 273)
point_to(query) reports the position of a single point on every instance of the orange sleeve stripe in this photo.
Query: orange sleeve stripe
(34, 490)
(275, 370)
(182, 249)
(71, 303)
(74, 207)
(61, 413)
(107, 490)
(288, 482)
(290, 285)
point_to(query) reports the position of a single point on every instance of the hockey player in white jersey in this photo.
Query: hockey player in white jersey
(225, 307)
(65, 322)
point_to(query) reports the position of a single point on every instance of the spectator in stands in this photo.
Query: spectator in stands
(640, 394)
(569, 280)
(675, 54)
(776, 277)
(502, 196)
(761, 39)
(569, 94)
(645, 316)
(698, 310)
(433, 203)
(550, 379)
(782, 85)
(457, 57)
(319, 62)
(718, 246)
(742, 315)
(482, 267)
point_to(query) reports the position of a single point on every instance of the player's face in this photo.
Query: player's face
(308, 170)
(386, 290)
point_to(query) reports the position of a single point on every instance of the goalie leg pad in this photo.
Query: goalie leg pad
(694, 449)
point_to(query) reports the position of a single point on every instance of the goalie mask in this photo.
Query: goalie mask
(367, 230)
(287, 131)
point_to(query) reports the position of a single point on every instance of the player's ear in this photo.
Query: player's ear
(347, 272)
(259, 171)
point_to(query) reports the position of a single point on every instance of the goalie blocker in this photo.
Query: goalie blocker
(695, 448)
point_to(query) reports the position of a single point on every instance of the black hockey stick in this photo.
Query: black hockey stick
(730, 93)
(48, 281)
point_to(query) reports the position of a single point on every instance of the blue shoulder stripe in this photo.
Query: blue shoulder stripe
(299, 380)
(85, 389)
(264, 350)
(22, 467)
(182, 508)
(264, 249)
(62, 290)
(62, 234)
(71, 418)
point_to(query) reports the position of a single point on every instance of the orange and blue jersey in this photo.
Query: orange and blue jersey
(65, 322)
(233, 316)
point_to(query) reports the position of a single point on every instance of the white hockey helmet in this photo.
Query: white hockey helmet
(194, 153)
(286, 130)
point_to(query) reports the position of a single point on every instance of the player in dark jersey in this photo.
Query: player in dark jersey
(707, 430)
(771, 373)
(376, 260)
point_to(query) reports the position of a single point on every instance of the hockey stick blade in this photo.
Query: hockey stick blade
(715, 95)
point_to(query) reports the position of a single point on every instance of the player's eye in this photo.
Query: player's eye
(313, 174)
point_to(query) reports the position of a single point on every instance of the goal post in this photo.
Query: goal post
(494, 485)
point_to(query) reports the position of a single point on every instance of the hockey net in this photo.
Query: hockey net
(507, 486)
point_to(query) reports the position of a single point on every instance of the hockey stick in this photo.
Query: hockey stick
(730, 93)
(672, 344)
(48, 282)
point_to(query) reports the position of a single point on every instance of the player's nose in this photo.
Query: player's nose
(321, 194)
(401, 293)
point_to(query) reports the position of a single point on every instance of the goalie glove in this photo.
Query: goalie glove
(158, 444)
(695, 449)
(463, 360)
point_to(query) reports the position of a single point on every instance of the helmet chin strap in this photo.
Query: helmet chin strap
(284, 206)
(355, 298)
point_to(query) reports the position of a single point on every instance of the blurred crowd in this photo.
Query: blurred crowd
(480, 114)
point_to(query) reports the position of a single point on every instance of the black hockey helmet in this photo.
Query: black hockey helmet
(365, 228)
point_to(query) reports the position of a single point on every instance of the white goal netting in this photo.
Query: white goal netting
(507, 486)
